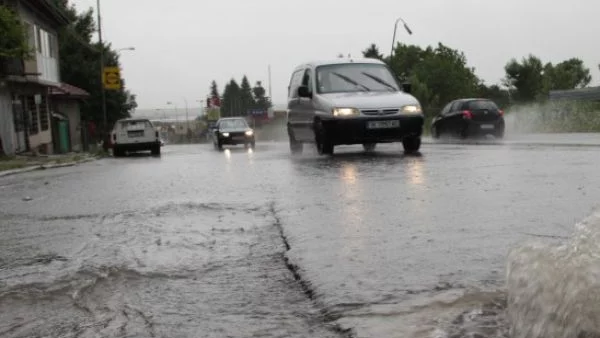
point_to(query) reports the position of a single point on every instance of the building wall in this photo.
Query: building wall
(7, 127)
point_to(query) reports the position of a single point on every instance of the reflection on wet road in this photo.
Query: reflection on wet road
(195, 243)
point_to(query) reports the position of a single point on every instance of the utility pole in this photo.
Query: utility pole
(270, 81)
(187, 120)
(102, 89)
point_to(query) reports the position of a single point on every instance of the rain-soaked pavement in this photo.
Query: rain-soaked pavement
(199, 243)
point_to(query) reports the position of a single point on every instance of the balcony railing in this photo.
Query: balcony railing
(12, 66)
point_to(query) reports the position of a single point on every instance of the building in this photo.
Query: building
(27, 86)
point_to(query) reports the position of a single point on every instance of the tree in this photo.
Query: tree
(372, 52)
(13, 43)
(230, 106)
(246, 100)
(569, 74)
(80, 66)
(262, 102)
(527, 77)
(214, 90)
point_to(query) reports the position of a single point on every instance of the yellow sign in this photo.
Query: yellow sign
(111, 77)
(213, 114)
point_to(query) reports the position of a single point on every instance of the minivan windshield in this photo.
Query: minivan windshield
(354, 77)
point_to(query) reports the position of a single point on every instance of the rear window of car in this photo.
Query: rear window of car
(135, 124)
(481, 104)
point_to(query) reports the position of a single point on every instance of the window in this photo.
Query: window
(30, 31)
(482, 105)
(43, 112)
(295, 82)
(456, 106)
(38, 38)
(446, 109)
(31, 108)
(233, 124)
(307, 81)
(355, 77)
(52, 46)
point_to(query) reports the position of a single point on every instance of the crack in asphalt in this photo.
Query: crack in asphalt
(328, 318)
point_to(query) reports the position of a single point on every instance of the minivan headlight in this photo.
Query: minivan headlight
(225, 134)
(340, 112)
(249, 132)
(411, 109)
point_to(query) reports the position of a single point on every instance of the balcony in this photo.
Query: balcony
(12, 67)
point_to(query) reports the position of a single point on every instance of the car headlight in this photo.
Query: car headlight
(340, 112)
(412, 109)
(249, 133)
(225, 134)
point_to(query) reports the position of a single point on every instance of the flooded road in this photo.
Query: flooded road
(243, 243)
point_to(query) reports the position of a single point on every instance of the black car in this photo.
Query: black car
(469, 117)
(232, 131)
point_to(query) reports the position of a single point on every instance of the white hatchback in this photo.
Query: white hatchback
(129, 135)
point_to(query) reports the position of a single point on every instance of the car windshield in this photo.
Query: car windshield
(233, 124)
(482, 104)
(355, 77)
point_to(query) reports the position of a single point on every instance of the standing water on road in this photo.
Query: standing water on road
(201, 243)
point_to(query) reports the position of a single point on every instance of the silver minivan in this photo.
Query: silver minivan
(351, 101)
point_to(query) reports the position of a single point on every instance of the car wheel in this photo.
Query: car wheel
(219, 146)
(295, 146)
(435, 132)
(369, 147)
(411, 144)
(155, 150)
(118, 152)
(324, 145)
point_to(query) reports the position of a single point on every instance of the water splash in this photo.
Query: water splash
(554, 290)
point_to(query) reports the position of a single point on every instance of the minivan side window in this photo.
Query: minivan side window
(307, 81)
(295, 82)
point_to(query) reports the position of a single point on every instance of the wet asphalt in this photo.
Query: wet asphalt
(241, 243)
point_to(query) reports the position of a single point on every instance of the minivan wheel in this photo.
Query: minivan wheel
(411, 144)
(324, 145)
(369, 147)
(295, 146)
(155, 150)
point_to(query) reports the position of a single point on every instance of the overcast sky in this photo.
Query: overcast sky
(181, 45)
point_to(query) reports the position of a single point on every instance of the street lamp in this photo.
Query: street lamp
(394, 37)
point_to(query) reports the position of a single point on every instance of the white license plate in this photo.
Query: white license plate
(383, 124)
(487, 126)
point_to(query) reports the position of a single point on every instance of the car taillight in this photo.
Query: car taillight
(501, 112)
(467, 114)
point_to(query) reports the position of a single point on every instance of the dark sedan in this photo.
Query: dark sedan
(469, 117)
(233, 131)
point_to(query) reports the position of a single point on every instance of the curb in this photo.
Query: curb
(45, 166)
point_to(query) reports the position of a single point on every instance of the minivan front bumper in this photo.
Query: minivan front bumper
(355, 130)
